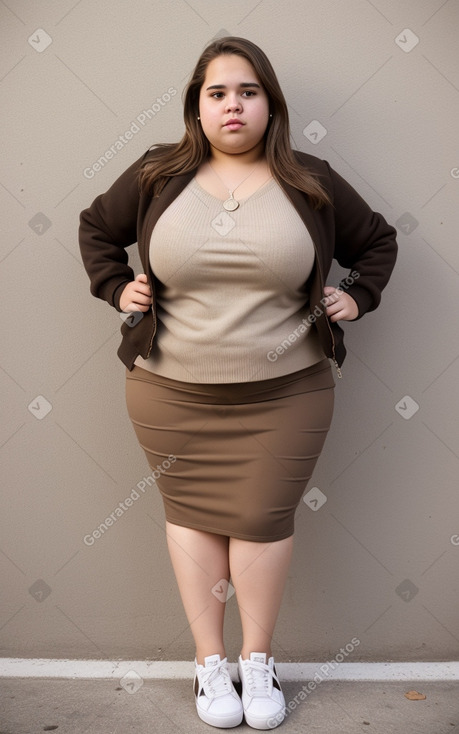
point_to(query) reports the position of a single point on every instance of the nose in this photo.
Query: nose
(233, 104)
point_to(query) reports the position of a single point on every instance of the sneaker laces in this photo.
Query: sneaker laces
(216, 680)
(259, 678)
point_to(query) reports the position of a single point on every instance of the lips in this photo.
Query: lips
(234, 124)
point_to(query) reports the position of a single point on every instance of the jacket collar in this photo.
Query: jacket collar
(158, 205)
(299, 201)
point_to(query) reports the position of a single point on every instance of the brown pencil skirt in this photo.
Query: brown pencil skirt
(233, 458)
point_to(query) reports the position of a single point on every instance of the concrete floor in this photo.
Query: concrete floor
(29, 706)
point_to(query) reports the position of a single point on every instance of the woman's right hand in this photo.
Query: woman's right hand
(136, 296)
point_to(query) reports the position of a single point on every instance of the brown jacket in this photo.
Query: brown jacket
(349, 231)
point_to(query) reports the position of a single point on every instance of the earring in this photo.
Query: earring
(270, 115)
(198, 118)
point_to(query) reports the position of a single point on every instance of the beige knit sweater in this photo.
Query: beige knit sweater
(232, 304)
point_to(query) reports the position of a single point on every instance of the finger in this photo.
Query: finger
(331, 296)
(340, 315)
(139, 307)
(333, 302)
(139, 289)
(142, 290)
(143, 280)
(328, 291)
(345, 308)
(334, 309)
(135, 307)
(141, 299)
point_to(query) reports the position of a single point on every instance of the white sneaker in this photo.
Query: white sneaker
(262, 697)
(217, 701)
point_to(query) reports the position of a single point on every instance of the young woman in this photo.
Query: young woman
(229, 384)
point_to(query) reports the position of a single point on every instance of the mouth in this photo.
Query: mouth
(233, 124)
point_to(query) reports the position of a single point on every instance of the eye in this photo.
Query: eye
(214, 95)
(250, 93)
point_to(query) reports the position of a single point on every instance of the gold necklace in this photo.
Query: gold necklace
(231, 204)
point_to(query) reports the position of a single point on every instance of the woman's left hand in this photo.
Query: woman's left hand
(340, 306)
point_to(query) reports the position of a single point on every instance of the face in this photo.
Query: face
(233, 92)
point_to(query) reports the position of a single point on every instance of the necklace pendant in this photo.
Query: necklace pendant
(230, 205)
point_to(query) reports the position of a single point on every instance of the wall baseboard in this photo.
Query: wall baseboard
(179, 669)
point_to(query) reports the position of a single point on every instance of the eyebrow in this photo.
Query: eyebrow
(243, 84)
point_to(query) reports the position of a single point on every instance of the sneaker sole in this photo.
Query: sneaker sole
(223, 722)
(263, 724)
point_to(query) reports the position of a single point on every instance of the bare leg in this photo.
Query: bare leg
(258, 573)
(200, 561)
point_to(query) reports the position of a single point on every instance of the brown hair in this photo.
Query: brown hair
(193, 149)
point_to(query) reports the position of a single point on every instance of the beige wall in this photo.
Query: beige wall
(378, 560)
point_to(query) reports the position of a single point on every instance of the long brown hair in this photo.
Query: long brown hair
(193, 149)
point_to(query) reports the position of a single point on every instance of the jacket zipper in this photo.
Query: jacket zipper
(153, 313)
(337, 367)
(150, 278)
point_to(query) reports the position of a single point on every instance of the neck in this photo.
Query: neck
(237, 160)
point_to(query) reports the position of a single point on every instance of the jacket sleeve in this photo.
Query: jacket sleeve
(107, 227)
(364, 242)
